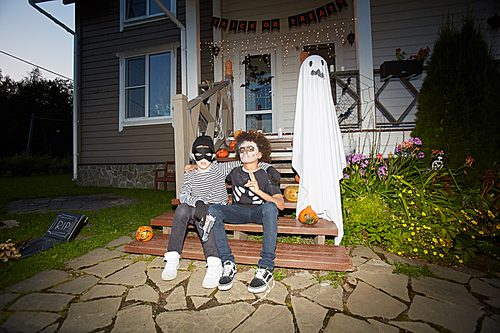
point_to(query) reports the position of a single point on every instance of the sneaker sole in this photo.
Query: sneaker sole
(226, 286)
(257, 290)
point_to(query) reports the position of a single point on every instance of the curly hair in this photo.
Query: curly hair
(260, 140)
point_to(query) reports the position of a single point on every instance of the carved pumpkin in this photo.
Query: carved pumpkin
(144, 233)
(222, 153)
(308, 216)
(291, 193)
(237, 133)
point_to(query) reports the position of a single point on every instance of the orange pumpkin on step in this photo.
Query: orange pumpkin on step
(291, 193)
(308, 216)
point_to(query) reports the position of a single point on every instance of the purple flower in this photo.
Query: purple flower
(416, 141)
(382, 171)
(346, 176)
(421, 155)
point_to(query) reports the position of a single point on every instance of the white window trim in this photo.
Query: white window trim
(142, 121)
(124, 22)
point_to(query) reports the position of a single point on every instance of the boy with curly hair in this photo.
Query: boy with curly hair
(256, 199)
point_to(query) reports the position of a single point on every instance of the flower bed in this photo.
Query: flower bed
(413, 206)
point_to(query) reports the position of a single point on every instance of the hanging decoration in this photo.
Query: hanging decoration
(273, 25)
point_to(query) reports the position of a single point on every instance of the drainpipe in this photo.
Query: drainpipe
(179, 25)
(75, 87)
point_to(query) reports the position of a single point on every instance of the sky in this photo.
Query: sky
(28, 34)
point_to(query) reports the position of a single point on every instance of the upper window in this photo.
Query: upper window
(139, 11)
(147, 82)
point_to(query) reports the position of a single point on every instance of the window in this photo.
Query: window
(140, 11)
(147, 82)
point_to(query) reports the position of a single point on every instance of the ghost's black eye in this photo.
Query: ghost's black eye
(322, 63)
(310, 63)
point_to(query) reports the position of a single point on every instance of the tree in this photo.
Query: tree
(459, 103)
(42, 106)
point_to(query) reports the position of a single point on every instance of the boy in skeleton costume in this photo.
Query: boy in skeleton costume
(200, 189)
(256, 199)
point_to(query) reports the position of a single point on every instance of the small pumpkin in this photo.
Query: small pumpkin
(308, 216)
(237, 133)
(231, 145)
(222, 153)
(297, 178)
(144, 233)
(291, 192)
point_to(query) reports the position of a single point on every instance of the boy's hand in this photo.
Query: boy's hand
(201, 210)
(253, 185)
(189, 167)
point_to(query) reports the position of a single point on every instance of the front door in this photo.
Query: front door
(258, 93)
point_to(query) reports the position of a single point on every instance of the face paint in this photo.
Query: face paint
(249, 152)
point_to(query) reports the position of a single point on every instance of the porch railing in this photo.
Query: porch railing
(210, 113)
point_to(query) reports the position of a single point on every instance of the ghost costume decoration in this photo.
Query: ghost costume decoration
(318, 151)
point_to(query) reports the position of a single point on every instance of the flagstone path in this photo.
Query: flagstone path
(108, 290)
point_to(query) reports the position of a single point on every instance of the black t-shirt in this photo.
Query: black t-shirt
(242, 195)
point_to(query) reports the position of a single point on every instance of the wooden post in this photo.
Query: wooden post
(181, 139)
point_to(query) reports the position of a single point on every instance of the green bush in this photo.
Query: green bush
(459, 103)
(22, 165)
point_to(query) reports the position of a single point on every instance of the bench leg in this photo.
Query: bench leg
(320, 239)
(167, 230)
(240, 235)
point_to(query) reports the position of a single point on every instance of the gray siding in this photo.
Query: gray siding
(100, 41)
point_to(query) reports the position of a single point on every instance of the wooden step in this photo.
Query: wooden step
(286, 225)
(288, 204)
(302, 256)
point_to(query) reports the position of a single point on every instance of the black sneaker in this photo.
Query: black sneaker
(261, 281)
(228, 274)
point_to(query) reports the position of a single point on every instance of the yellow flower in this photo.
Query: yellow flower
(399, 252)
(441, 255)
(415, 250)
(498, 226)
(418, 194)
(481, 232)
(456, 256)
(434, 240)
(491, 215)
(425, 251)
(404, 225)
(410, 192)
(409, 239)
(474, 222)
(465, 229)
(461, 261)
(413, 233)
(423, 214)
(434, 253)
(412, 202)
(473, 237)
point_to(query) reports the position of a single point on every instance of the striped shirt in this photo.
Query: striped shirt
(209, 186)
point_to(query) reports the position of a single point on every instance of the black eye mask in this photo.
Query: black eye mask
(203, 153)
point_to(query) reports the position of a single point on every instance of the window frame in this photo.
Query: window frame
(146, 120)
(124, 22)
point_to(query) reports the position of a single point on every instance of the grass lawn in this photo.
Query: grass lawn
(106, 224)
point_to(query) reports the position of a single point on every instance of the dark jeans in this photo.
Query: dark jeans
(265, 214)
(182, 217)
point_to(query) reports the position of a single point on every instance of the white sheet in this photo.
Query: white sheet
(318, 151)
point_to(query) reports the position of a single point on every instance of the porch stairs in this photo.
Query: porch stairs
(317, 256)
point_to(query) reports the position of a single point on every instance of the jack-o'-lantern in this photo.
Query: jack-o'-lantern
(291, 193)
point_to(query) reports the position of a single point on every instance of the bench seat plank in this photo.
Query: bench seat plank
(286, 225)
(288, 204)
(303, 256)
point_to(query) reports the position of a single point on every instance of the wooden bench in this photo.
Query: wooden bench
(163, 175)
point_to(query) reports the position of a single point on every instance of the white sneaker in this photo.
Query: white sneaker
(214, 271)
(171, 265)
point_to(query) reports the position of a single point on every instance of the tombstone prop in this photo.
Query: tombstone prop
(65, 227)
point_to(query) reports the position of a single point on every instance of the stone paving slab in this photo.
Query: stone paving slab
(239, 292)
(6, 299)
(368, 302)
(40, 281)
(143, 293)
(393, 284)
(309, 316)
(106, 290)
(29, 322)
(119, 241)
(325, 295)
(278, 294)
(91, 315)
(481, 287)
(300, 280)
(199, 301)
(268, 318)
(176, 300)
(449, 273)
(490, 326)
(164, 286)
(444, 291)
(195, 283)
(345, 324)
(93, 257)
(134, 319)
(219, 319)
(106, 268)
(454, 317)
(41, 302)
(133, 275)
(76, 286)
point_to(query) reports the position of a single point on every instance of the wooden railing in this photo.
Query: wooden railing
(210, 113)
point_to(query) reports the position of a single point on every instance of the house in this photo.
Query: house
(134, 55)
